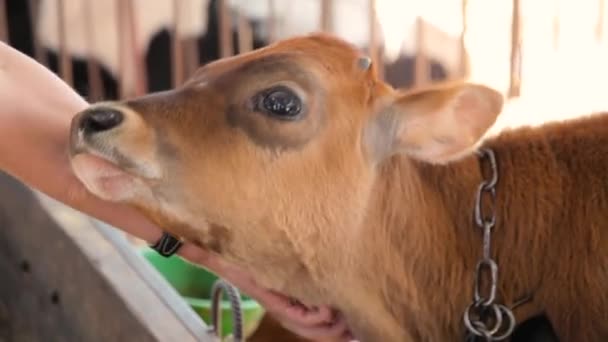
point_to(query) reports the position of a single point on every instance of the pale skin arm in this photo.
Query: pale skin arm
(36, 108)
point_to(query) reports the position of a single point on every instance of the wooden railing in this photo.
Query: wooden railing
(67, 278)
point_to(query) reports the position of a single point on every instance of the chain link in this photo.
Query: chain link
(484, 318)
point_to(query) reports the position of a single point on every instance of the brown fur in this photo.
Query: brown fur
(366, 203)
(551, 237)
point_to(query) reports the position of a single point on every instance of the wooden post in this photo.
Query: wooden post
(65, 62)
(225, 29)
(3, 22)
(421, 72)
(191, 57)
(122, 46)
(272, 22)
(139, 61)
(515, 77)
(327, 15)
(374, 49)
(464, 65)
(68, 278)
(39, 54)
(128, 50)
(245, 33)
(93, 70)
(188, 48)
(177, 56)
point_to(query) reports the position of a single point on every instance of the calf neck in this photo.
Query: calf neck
(298, 164)
(550, 239)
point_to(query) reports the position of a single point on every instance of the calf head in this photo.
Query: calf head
(268, 158)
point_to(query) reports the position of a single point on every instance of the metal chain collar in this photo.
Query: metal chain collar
(484, 318)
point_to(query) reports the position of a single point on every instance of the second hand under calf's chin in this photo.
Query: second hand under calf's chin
(309, 322)
(314, 320)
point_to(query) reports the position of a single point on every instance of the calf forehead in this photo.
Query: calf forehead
(326, 54)
(266, 69)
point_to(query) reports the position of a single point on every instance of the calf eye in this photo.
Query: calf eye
(280, 102)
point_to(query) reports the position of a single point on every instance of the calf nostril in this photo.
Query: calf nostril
(100, 119)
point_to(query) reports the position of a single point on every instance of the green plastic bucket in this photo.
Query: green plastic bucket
(194, 284)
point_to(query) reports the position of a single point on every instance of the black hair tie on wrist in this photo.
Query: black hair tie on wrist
(167, 245)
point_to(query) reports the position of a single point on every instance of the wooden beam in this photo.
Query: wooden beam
(139, 62)
(123, 46)
(39, 55)
(464, 65)
(326, 15)
(225, 29)
(93, 70)
(131, 58)
(422, 68)
(177, 55)
(245, 34)
(3, 22)
(374, 44)
(65, 62)
(272, 21)
(66, 278)
(191, 56)
(516, 58)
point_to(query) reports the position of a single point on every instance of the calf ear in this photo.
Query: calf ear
(436, 125)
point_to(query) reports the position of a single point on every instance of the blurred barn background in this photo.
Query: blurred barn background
(547, 56)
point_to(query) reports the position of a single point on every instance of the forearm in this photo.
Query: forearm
(36, 108)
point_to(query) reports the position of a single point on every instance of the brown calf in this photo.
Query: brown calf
(298, 164)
